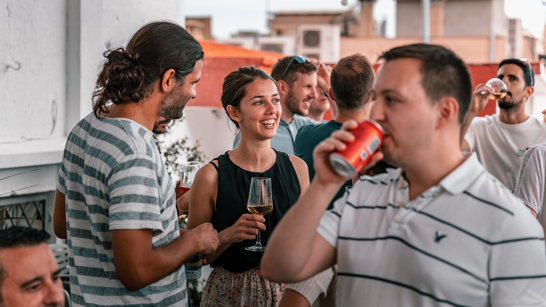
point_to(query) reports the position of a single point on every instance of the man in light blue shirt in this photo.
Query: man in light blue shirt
(296, 82)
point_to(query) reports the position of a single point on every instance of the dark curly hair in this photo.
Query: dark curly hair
(235, 83)
(127, 73)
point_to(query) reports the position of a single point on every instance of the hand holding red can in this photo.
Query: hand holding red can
(337, 142)
(368, 137)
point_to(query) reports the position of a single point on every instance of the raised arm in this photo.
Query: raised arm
(323, 81)
(477, 104)
(203, 204)
(295, 251)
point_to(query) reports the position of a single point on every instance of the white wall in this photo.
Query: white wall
(33, 42)
(50, 53)
(122, 18)
(210, 126)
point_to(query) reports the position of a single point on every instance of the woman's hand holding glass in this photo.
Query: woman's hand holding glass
(246, 228)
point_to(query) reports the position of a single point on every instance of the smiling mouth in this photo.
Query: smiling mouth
(269, 122)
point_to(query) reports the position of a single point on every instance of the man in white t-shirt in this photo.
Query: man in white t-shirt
(437, 231)
(500, 140)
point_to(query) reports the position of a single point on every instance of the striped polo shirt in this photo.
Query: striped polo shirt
(465, 242)
(113, 177)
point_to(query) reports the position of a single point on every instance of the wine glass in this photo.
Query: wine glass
(187, 176)
(499, 89)
(260, 202)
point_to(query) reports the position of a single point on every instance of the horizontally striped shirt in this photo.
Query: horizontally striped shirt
(465, 242)
(113, 177)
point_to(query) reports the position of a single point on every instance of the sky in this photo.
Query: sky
(230, 16)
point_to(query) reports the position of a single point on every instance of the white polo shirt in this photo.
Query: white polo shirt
(466, 242)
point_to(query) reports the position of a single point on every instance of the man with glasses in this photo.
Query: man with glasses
(500, 140)
(297, 79)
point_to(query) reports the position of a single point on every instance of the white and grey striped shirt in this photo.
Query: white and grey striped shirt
(113, 177)
(466, 242)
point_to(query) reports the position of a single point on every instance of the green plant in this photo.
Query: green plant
(178, 153)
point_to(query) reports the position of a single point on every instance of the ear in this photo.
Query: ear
(448, 112)
(234, 114)
(529, 91)
(168, 82)
(331, 94)
(282, 87)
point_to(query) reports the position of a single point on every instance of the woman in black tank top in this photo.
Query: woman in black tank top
(220, 193)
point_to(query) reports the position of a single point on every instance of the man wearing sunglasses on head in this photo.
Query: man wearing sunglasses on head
(297, 77)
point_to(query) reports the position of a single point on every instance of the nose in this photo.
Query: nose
(270, 108)
(55, 294)
(313, 93)
(194, 92)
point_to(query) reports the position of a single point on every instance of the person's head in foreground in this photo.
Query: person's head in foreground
(352, 83)
(161, 61)
(251, 100)
(296, 80)
(29, 273)
(423, 94)
(519, 79)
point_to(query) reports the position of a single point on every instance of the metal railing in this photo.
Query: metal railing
(24, 212)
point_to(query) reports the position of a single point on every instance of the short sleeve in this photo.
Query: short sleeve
(470, 136)
(329, 224)
(531, 179)
(134, 194)
(517, 265)
(61, 180)
(237, 139)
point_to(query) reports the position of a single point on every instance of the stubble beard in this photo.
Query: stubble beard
(510, 106)
(292, 104)
(173, 106)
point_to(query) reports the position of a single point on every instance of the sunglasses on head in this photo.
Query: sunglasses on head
(298, 58)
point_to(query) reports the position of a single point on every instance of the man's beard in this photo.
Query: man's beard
(292, 104)
(510, 106)
(173, 106)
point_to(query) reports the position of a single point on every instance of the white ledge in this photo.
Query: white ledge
(31, 153)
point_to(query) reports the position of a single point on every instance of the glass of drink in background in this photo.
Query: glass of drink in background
(187, 175)
(260, 202)
(499, 89)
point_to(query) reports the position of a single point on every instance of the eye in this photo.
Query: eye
(389, 99)
(33, 287)
(276, 101)
(513, 79)
(259, 102)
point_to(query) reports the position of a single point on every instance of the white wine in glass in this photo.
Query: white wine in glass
(260, 202)
(499, 89)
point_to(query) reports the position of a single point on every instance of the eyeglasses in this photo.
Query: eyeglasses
(299, 58)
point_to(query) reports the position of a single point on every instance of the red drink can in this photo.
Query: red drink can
(368, 138)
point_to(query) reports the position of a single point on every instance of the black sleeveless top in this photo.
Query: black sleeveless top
(231, 201)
